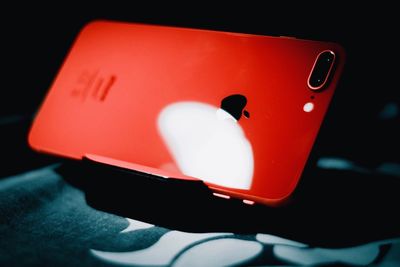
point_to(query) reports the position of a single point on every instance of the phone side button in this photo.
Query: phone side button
(221, 195)
(248, 202)
(287, 37)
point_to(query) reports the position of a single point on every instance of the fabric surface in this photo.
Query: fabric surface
(45, 221)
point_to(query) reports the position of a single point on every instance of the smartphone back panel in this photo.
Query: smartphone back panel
(235, 110)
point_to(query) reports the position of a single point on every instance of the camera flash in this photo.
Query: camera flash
(308, 107)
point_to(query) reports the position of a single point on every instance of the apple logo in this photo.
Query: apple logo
(207, 142)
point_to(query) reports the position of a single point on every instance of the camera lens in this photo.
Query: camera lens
(321, 70)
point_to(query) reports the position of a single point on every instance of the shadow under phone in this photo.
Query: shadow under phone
(330, 208)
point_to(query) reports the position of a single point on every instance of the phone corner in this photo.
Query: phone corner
(284, 198)
(31, 140)
(92, 25)
(339, 50)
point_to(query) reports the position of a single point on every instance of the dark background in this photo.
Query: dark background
(35, 39)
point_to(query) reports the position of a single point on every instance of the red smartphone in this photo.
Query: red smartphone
(238, 111)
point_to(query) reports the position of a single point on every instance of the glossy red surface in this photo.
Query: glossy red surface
(118, 77)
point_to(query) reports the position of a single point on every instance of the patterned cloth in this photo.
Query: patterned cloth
(45, 221)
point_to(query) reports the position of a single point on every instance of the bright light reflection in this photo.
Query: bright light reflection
(207, 143)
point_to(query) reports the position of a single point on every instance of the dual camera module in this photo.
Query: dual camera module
(320, 73)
